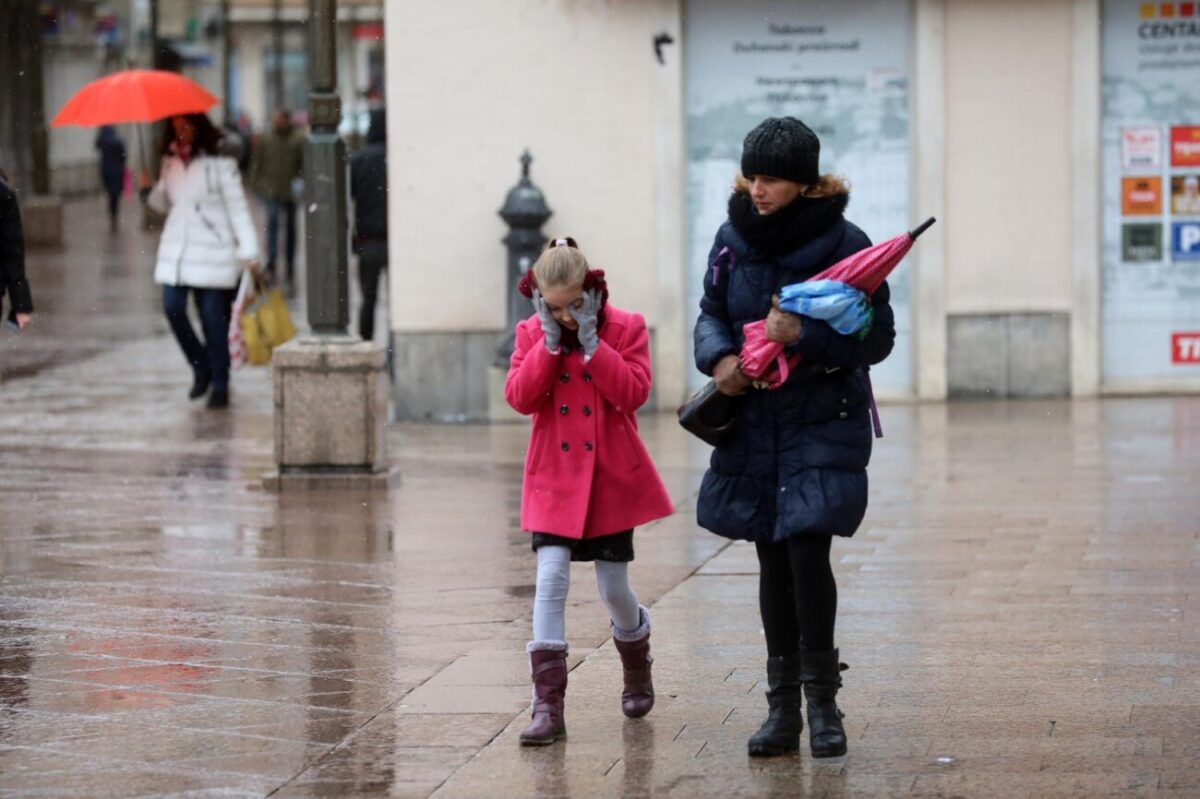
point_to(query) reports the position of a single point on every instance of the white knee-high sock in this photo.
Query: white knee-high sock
(613, 581)
(550, 601)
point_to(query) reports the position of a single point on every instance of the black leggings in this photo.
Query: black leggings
(797, 594)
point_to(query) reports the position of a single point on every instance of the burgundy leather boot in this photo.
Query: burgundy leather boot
(634, 647)
(548, 664)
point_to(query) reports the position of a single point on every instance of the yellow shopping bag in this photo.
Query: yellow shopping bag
(273, 318)
(265, 324)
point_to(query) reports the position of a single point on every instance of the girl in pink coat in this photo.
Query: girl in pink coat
(581, 368)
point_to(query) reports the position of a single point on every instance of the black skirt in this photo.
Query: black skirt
(615, 548)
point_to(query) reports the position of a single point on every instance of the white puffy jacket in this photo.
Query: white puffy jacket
(209, 232)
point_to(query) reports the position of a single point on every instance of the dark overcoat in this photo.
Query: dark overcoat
(796, 462)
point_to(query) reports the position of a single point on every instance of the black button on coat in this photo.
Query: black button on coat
(797, 461)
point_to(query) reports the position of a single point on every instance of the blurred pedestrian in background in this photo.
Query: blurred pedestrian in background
(277, 162)
(112, 170)
(12, 260)
(207, 240)
(793, 473)
(581, 368)
(368, 188)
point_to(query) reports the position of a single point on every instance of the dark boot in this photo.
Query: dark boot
(634, 647)
(780, 733)
(822, 676)
(199, 385)
(218, 398)
(548, 664)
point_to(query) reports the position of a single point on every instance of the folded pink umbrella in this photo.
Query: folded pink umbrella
(865, 270)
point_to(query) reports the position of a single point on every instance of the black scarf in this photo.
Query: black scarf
(789, 228)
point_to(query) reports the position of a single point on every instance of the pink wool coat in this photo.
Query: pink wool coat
(587, 473)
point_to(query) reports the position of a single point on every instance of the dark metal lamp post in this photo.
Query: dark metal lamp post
(330, 388)
(325, 180)
(525, 211)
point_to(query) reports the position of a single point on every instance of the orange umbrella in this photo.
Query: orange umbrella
(134, 95)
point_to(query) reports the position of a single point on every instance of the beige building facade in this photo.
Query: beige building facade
(996, 116)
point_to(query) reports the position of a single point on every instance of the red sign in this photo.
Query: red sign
(369, 31)
(1185, 145)
(1185, 347)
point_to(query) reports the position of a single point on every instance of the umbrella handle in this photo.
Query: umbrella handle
(917, 231)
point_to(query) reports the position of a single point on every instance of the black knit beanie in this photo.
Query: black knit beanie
(782, 147)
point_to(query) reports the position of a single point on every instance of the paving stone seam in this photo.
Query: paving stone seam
(349, 738)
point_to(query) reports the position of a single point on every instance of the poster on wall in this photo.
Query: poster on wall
(1185, 142)
(1141, 196)
(1150, 131)
(1142, 243)
(1141, 148)
(1185, 195)
(839, 67)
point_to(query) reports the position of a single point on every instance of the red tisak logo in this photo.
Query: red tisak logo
(1185, 145)
(1185, 348)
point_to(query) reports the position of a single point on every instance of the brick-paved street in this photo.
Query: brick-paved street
(1021, 610)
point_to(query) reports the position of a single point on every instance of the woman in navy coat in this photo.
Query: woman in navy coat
(112, 170)
(792, 474)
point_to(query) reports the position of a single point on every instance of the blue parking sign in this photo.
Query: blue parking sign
(1185, 241)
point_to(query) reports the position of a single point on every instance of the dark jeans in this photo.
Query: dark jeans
(215, 305)
(797, 594)
(372, 261)
(288, 209)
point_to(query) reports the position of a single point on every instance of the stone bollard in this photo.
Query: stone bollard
(330, 414)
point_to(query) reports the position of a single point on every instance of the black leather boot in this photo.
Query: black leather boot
(199, 385)
(780, 733)
(218, 398)
(822, 676)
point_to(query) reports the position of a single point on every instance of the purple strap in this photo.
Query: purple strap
(724, 258)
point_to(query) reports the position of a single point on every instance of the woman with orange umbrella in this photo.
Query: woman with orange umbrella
(208, 238)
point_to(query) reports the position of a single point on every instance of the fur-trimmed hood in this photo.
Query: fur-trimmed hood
(793, 226)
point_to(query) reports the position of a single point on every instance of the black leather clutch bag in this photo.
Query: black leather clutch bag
(709, 414)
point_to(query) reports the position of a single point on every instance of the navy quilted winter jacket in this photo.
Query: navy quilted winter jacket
(797, 462)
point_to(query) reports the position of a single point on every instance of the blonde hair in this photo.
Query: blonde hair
(561, 264)
(826, 186)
